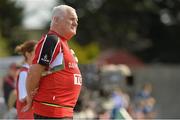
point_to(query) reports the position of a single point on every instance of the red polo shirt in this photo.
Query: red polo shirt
(60, 85)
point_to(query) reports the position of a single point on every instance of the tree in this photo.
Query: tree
(10, 20)
(147, 28)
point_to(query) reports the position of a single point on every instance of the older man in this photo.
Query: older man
(55, 71)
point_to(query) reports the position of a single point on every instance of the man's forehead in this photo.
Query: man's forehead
(72, 13)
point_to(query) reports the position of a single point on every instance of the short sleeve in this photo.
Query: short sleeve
(45, 50)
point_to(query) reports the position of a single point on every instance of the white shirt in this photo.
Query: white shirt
(22, 83)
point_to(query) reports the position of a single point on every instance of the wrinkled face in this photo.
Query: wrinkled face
(69, 23)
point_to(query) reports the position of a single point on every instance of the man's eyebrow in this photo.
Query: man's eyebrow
(74, 18)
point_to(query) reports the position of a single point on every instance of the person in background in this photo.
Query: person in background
(145, 103)
(27, 50)
(121, 102)
(9, 84)
(145, 92)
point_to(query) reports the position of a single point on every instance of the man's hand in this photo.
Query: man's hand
(33, 77)
(29, 101)
(28, 105)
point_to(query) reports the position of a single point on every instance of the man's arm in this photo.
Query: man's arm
(32, 83)
(43, 55)
(33, 77)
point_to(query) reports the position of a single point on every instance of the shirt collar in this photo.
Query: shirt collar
(53, 32)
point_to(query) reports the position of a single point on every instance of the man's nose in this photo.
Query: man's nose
(75, 23)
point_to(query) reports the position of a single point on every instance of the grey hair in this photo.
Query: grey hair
(60, 11)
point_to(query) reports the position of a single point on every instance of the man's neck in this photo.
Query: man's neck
(58, 33)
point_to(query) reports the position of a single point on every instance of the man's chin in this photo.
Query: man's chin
(73, 33)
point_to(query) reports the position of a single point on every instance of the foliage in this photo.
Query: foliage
(11, 16)
(3, 47)
(10, 22)
(148, 28)
(86, 53)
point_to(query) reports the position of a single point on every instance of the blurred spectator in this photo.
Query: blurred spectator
(27, 50)
(145, 92)
(149, 108)
(9, 83)
(9, 91)
(114, 101)
(121, 100)
(145, 103)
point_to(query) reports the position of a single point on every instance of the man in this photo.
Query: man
(55, 71)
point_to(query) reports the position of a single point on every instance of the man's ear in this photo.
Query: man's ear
(55, 19)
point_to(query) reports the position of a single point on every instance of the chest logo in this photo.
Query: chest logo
(77, 79)
(72, 65)
(45, 58)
